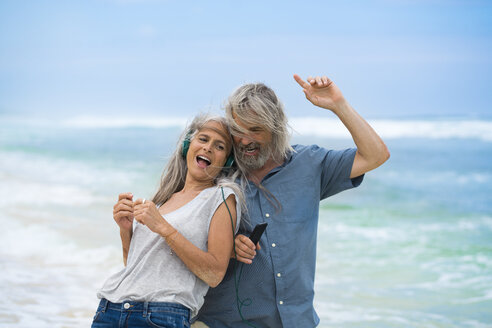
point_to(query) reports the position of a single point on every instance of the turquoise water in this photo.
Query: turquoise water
(411, 247)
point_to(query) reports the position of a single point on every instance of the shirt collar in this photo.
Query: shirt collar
(287, 160)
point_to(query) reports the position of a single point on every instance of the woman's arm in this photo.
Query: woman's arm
(209, 266)
(126, 238)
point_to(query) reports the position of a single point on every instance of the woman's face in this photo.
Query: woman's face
(208, 152)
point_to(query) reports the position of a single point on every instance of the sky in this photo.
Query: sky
(399, 59)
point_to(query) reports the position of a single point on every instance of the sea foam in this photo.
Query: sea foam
(393, 129)
(326, 127)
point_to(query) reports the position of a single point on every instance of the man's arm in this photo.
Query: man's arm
(371, 150)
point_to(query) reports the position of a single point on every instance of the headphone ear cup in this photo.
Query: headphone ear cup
(230, 161)
(186, 146)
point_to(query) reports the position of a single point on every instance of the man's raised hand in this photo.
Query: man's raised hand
(321, 91)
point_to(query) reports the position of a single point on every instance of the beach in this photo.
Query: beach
(411, 247)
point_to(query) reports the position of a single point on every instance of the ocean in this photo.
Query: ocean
(411, 247)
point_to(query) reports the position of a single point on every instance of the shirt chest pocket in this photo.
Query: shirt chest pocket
(298, 198)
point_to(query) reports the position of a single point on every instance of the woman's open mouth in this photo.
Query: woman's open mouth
(203, 161)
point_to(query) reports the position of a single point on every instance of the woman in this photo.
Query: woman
(182, 239)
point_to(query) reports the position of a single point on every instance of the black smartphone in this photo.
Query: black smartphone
(257, 232)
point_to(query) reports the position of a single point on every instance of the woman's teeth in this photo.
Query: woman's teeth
(203, 160)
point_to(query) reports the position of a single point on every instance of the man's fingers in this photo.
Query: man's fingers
(246, 252)
(245, 247)
(300, 81)
(246, 241)
(244, 260)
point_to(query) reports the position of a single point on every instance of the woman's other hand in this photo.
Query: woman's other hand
(123, 211)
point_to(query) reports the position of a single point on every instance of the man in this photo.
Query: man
(285, 185)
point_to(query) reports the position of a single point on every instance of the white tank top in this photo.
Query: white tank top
(153, 273)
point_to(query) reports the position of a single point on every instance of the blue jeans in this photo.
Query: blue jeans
(141, 314)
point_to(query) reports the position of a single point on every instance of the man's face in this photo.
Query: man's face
(253, 146)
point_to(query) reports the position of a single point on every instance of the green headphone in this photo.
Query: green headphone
(186, 145)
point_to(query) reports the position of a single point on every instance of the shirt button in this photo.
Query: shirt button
(267, 215)
(273, 245)
(279, 275)
(126, 306)
(281, 302)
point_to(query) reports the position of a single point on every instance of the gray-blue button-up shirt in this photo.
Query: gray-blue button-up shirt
(279, 284)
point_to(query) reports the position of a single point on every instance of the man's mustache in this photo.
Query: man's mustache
(251, 145)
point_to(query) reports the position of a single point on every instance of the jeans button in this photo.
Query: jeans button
(126, 306)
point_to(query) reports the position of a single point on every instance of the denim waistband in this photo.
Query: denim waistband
(145, 307)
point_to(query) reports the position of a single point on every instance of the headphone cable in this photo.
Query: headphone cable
(247, 301)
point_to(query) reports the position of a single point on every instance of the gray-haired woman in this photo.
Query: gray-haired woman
(181, 241)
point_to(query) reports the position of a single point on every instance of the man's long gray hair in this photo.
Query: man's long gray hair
(174, 174)
(256, 104)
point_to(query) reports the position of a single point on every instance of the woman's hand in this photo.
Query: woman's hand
(147, 214)
(123, 211)
(245, 249)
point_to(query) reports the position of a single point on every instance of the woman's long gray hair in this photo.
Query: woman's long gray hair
(174, 175)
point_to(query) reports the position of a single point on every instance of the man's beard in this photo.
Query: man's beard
(252, 163)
